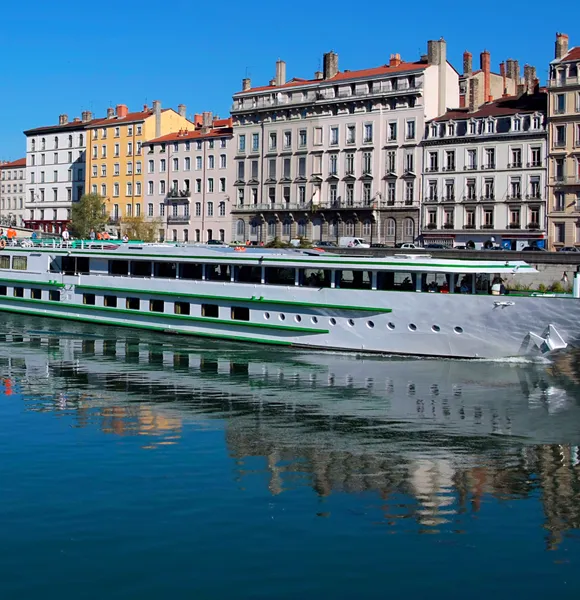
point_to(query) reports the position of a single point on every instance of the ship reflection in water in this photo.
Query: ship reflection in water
(425, 442)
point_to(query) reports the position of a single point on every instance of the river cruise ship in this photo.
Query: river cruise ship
(402, 304)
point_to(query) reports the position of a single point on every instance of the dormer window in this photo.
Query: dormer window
(434, 130)
(451, 129)
(516, 124)
(536, 122)
(472, 127)
(490, 126)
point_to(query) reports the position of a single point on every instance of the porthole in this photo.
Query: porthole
(266, 315)
(412, 327)
(436, 328)
(314, 320)
(333, 321)
(282, 317)
(390, 326)
(298, 318)
(370, 324)
(458, 329)
(351, 322)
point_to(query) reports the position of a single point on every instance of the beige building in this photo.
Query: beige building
(13, 180)
(564, 145)
(338, 154)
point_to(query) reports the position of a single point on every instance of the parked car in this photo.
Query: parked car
(568, 249)
(409, 246)
(532, 249)
(460, 247)
(378, 245)
(216, 243)
(321, 244)
(435, 247)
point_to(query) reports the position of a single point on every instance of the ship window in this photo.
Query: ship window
(356, 280)
(4, 262)
(240, 313)
(249, 274)
(118, 267)
(217, 272)
(210, 310)
(182, 308)
(3, 290)
(280, 275)
(141, 268)
(110, 301)
(89, 299)
(72, 265)
(190, 271)
(36, 293)
(389, 280)
(54, 295)
(318, 278)
(19, 292)
(83, 265)
(55, 265)
(165, 270)
(156, 305)
(133, 303)
(20, 263)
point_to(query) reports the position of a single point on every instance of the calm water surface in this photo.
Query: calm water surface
(141, 466)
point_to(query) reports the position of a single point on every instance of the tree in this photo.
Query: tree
(88, 213)
(137, 228)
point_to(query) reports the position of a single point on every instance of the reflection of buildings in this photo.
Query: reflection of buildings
(425, 446)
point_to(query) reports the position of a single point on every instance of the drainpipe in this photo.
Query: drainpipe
(576, 284)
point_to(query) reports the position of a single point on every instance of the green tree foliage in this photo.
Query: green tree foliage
(139, 228)
(88, 214)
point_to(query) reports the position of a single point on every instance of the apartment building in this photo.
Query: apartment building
(339, 154)
(55, 171)
(564, 145)
(12, 193)
(189, 175)
(115, 156)
(484, 174)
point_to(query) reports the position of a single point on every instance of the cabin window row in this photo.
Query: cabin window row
(19, 263)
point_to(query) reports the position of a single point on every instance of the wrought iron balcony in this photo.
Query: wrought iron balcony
(178, 219)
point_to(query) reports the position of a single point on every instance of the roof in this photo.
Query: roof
(510, 105)
(197, 134)
(344, 76)
(21, 162)
(134, 117)
(71, 125)
(573, 54)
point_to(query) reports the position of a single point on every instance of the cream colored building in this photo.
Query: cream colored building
(564, 145)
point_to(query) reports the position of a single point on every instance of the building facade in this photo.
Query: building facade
(337, 155)
(564, 145)
(12, 193)
(55, 171)
(484, 174)
(115, 167)
(188, 181)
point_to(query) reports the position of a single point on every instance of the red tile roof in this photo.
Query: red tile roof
(191, 135)
(21, 162)
(134, 117)
(509, 105)
(573, 54)
(345, 76)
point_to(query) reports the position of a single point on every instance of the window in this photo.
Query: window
(222, 209)
(516, 187)
(333, 164)
(210, 310)
(287, 140)
(89, 299)
(391, 193)
(210, 185)
(559, 201)
(36, 293)
(129, 191)
(368, 133)
(392, 132)
(272, 168)
(255, 142)
(514, 218)
(488, 188)
(198, 186)
(242, 143)
(516, 124)
(536, 157)
(198, 209)
(54, 295)
(156, 306)
(132, 303)
(20, 263)
(129, 148)
(211, 161)
(367, 163)
(410, 130)
(488, 218)
(560, 106)
(94, 170)
(470, 219)
(223, 161)
(110, 301)
(103, 190)
(409, 162)
(409, 192)
(490, 158)
(334, 136)
(162, 165)
(273, 140)
(470, 190)
(433, 162)
(559, 233)
(151, 166)
(516, 158)
(138, 167)
(560, 136)
(391, 161)
(176, 164)
(301, 194)
(367, 193)
(432, 190)
(302, 138)
(116, 190)
(450, 160)
(138, 193)
(318, 136)
(104, 151)
(182, 308)
(471, 160)
(210, 209)
(116, 169)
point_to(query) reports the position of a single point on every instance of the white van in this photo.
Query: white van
(353, 242)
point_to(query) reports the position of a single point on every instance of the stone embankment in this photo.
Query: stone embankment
(552, 267)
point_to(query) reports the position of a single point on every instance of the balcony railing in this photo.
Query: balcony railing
(114, 220)
(565, 180)
(534, 164)
(176, 219)
(533, 226)
(488, 197)
(563, 82)
(515, 165)
(449, 198)
(174, 195)
(432, 199)
(487, 226)
(448, 226)
(514, 226)
(329, 205)
(536, 196)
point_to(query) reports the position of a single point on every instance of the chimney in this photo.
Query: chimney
(437, 56)
(280, 72)
(473, 103)
(121, 110)
(181, 109)
(110, 113)
(87, 116)
(434, 52)
(157, 113)
(207, 120)
(62, 119)
(502, 72)
(395, 60)
(561, 45)
(330, 64)
(272, 82)
(485, 66)
(246, 84)
(145, 108)
(318, 75)
(529, 77)
(467, 63)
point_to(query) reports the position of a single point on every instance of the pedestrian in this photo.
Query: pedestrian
(125, 239)
(92, 235)
(65, 235)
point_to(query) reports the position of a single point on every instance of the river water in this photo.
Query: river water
(149, 466)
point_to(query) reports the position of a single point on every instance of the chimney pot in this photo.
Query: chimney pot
(87, 116)
(467, 63)
(485, 65)
(121, 110)
(63, 119)
(395, 60)
(561, 45)
(181, 109)
(157, 112)
(318, 75)
(473, 103)
(207, 119)
(246, 84)
(110, 113)
(198, 120)
(280, 72)
(330, 64)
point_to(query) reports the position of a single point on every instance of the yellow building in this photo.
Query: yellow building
(115, 163)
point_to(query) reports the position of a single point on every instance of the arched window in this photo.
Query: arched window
(222, 209)
(33, 145)
(391, 227)
(286, 227)
(43, 144)
(301, 228)
(272, 228)
(70, 141)
(367, 228)
(55, 141)
(241, 229)
(81, 140)
(349, 228)
(409, 228)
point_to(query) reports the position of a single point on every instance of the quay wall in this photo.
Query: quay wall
(551, 266)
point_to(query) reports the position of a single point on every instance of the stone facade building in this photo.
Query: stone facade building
(339, 154)
(12, 192)
(564, 145)
(55, 168)
(188, 181)
(484, 174)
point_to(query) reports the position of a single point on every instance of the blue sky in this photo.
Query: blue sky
(66, 57)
